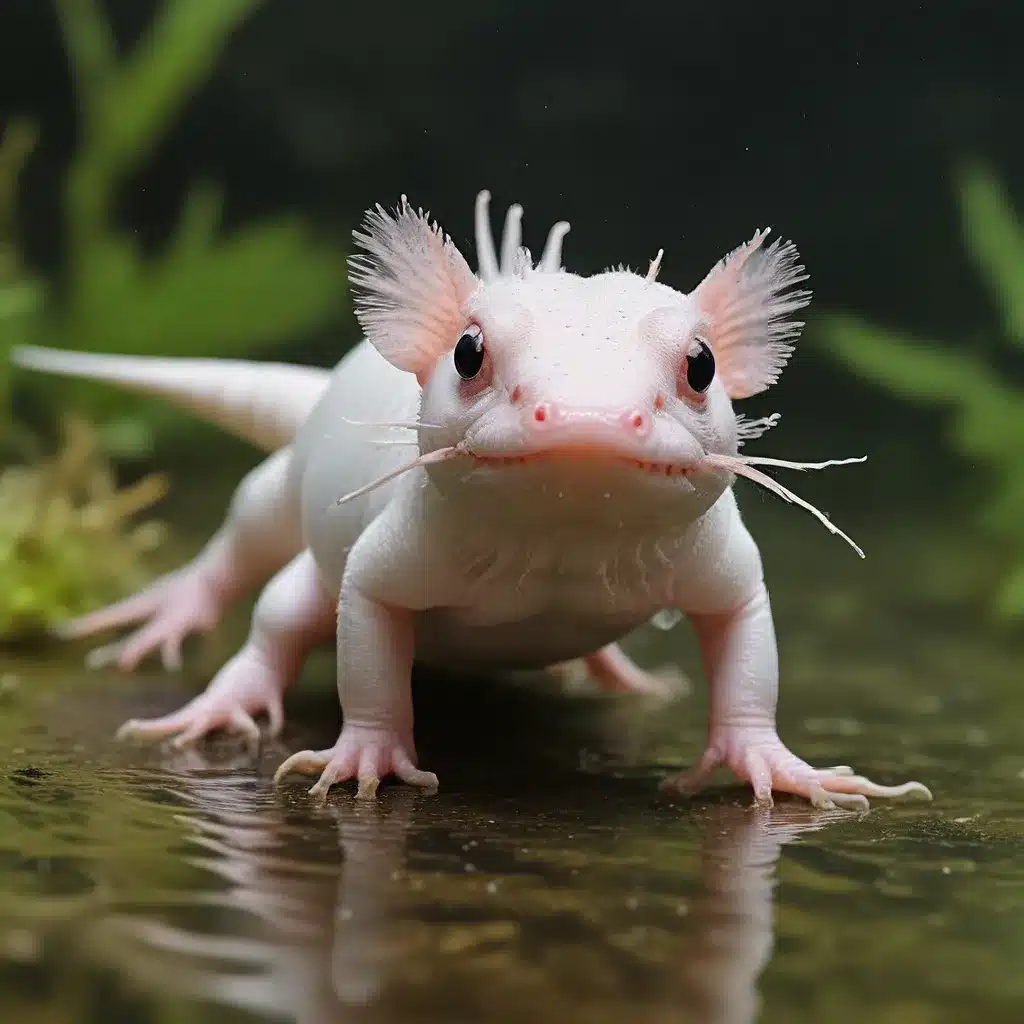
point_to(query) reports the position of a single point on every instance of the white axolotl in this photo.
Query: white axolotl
(577, 448)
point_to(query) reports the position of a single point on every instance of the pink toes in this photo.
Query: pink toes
(690, 782)
(365, 754)
(170, 609)
(760, 758)
(193, 723)
(246, 686)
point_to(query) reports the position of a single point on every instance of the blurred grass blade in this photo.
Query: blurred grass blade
(16, 146)
(904, 366)
(995, 241)
(92, 52)
(170, 62)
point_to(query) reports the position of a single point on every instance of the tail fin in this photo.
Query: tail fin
(263, 403)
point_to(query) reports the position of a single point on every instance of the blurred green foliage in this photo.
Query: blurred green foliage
(21, 296)
(207, 293)
(986, 422)
(66, 540)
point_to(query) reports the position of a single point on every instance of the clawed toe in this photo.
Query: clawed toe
(188, 727)
(840, 787)
(847, 783)
(165, 613)
(234, 721)
(305, 762)
(361, 754)
(769, 767)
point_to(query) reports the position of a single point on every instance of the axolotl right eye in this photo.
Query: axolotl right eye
(469, 353)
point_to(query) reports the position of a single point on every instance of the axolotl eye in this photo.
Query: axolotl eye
(468, 355)
(700, 367)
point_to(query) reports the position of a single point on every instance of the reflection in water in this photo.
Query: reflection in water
(731, 928)
(316, 937)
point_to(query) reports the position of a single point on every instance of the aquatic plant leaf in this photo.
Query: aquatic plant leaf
(995, 241)
(128, 104)
(16, 146)
(21, 297)
(172, 60)
(1009, 602)
(1002, 513)
(987, 422)
(204, 294)
(266, 283)
(199, 222)
(992, 427)
(904, 365)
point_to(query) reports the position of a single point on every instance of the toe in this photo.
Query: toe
(141, 643)
(241, 721)
(170, 653)
(199, 727)
(305, 762)
(411, 775)
(850, 801)
(275, 716)
(123, 613)
(859, 785)
(157, 728)
(760, 776)
(368, 785)
(686, 783)
(336, 771)
(104, 656)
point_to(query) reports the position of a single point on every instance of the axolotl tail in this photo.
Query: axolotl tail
(263, 403)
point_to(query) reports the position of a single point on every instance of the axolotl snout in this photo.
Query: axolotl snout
(516, 468)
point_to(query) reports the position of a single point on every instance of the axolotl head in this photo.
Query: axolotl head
(546, 390)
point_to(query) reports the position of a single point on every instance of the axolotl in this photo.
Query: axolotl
(575, 449)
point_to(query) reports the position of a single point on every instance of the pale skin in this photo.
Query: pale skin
(575, 447)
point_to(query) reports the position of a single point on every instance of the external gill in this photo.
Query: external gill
(512, 261)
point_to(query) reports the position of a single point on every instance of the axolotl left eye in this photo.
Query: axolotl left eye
(699, 367)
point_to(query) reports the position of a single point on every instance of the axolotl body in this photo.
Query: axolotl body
(575, 448)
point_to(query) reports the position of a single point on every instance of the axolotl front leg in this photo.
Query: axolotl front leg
(740, 657)
(383, 584)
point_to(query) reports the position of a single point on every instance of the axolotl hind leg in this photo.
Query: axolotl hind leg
(292, 615)
(259, 535)
(615, 672)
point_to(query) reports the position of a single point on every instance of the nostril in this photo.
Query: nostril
(636, 421)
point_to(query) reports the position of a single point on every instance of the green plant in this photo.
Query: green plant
(207, 293)
(67, 541)
(21, 295)
(986, 423)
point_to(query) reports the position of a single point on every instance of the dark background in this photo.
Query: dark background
(682, 125)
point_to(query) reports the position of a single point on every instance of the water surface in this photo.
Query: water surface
(546, 880)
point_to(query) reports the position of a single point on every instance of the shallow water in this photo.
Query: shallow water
(546, 880)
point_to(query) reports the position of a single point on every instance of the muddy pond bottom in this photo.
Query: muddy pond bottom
(546, 881)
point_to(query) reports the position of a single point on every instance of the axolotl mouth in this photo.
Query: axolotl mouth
(583, 453)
